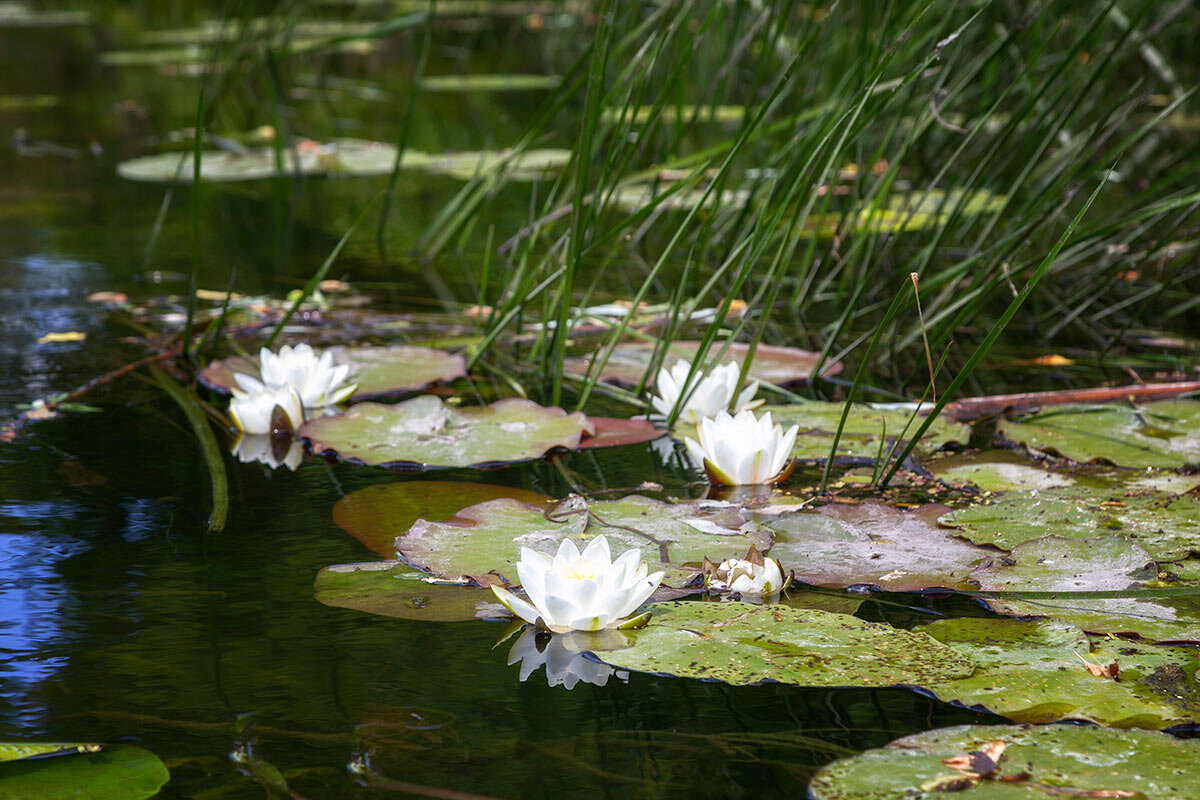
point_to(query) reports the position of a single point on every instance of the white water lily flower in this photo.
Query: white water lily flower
(318, 381)
(253, 407)
(748, 578)
(563, 658)
(576, 591)
(712, 393)
(274, 451)
(743, 450)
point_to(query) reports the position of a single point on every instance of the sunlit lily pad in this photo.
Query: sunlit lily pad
(740, 643)
(1064, 571)
(425, 433)
(997, 471)
(1062, 757)
(1165, 434)
(115, 772)
(778, 365)
(871, 543)
(861, 434)
(1033, 671)
(485, 542)
(378, 371)
(378, 514)
(394, 589)
(1167, 526)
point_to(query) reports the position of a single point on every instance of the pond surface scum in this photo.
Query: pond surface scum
(954, 244)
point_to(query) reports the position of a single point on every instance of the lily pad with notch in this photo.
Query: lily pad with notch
(1164, 434)
(744, 644)
(425, 433)
(1069, 760)
(484, 541)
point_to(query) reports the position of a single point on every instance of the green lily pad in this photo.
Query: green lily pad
(861, 434)
(378, 371)
(740, 643)
(1065, 571)
(778, 365)
(15, 751)
(1063, 757)
(425, 433)
(1165, 434)
(485, 541)
(997, 471)
(394, 589)
(116, 772)
(871, 543)
(1167, 526)
(1031, 671)
(488, 83)
(378, 514)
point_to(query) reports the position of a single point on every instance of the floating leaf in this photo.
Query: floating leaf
(778, 365)
(378, 371)
(1030, 671)
(485, 543)
(378, 514)
(997, 471)
(394, 589)
(488, 83)
(1069, 760)
(425, 433)
(116, 772)
(1167, 526)
(740, 643)
(15, 14)
(1164, 434)
(15, 751)
(1066, 570)
(871, 543)
(612, 432)
(861, 434)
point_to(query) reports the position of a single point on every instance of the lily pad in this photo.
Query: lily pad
(425, 433)
(772, 364)
(486, 540)
(1065, 572)
(740, 643)
(378, 514)
(116, 772)
(871, 543)
(394, 589)
(861, 434)
(1167, 526)
(488, 83)
(1033, 671)
(997, 471)
(378, 371)
(612, 432)
(1063, 757)
(1165, 434)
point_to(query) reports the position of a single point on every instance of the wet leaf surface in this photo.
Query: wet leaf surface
(425, 433)
(1063, 756)
(485, 543)
(1164, 434)
(772, 364)
(871, 543)
(997, 471)
(395, 589)
(612, 432)
(117, 772)
(740, 643)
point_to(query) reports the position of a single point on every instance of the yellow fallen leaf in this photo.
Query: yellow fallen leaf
(64, 336)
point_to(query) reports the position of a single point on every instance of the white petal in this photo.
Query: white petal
(516, 605)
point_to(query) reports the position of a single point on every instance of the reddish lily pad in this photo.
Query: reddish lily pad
(378, 514)
(394, 589)
(425, 433)
(772, 364)
(612, 432)
(378, 371)
(871, 543)
(485, 542)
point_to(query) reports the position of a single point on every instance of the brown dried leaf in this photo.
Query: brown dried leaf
(1112, 671)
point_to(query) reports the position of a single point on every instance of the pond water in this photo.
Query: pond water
(123, 619)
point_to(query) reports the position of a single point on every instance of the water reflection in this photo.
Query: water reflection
(563, 656)
(274, 451)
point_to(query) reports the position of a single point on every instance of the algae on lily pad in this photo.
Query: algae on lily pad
(741, 643)
(1069, 760)
(1067, 574)
(772, 364)
(872, 543)
(378, 371)
(425, 433)
(111, 772)
(1034, 671)
(1162, 434)
(1167, 526)
(484, 541)
(394, 589)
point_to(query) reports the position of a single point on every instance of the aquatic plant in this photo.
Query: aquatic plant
(316, 379)
(257, 408)
(714, 392)
(755, 576)
(743, 450)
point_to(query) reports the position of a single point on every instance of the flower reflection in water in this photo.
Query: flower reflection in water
(563, 656)
(274, 451)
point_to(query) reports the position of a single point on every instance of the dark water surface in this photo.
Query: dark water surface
(122, 620)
